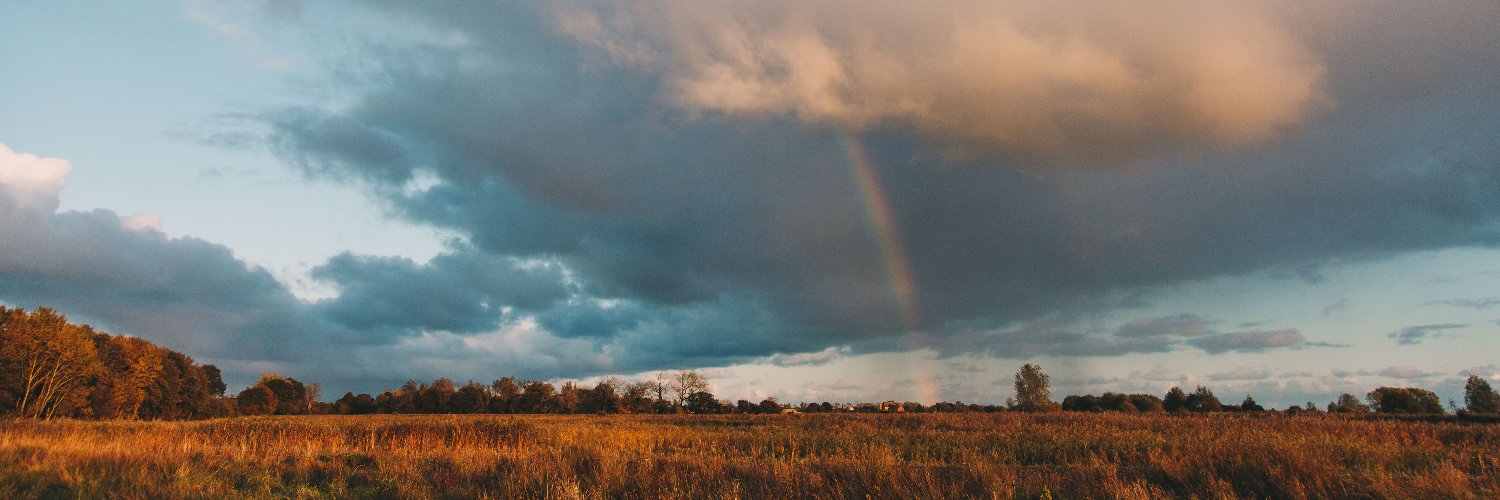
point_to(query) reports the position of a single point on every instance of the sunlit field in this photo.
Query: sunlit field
(826, 456)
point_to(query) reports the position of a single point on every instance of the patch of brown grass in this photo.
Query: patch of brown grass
(734, 456)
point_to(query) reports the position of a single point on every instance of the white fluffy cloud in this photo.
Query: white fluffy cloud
(1071, 81)
(31, 183)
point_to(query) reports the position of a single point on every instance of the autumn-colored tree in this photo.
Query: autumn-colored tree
(139, 364)
(257, 400)
(215, 380)
(291, 395)
(313, 391)
(536, 397)
(506, 391)
(636, 398)
(568, 398)
(603, 398)
(686, 383)
(434, 397)
(473, 397)
(50, 360)
(659, 385)
(1033, 390)
(182, 390)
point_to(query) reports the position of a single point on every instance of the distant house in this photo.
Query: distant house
(892, 407)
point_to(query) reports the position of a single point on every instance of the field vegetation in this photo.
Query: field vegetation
(983, 455)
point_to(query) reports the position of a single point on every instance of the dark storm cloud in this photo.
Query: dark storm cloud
(557, 145)
(1413, 335)
(632, 224)
(460, 290)
(334, 143)
(464, 312)
(592, 320)
(184, 293)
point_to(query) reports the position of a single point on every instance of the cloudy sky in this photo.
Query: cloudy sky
(831, 200)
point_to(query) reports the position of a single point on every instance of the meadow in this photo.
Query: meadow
(1066, 455)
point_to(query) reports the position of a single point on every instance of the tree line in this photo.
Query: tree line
(50, 368)
(1033, 389)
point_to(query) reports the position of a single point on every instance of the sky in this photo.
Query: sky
(831, 200)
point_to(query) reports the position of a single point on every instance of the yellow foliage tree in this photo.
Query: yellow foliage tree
(145, 364)
(51, 360)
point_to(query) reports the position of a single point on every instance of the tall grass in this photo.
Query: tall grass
(735, 456)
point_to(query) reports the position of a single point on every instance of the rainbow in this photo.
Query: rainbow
(898, 267)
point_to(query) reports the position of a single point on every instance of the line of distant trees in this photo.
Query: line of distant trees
(1032, 389)
(50, 368)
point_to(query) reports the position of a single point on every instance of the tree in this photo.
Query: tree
(636, 399)
(701, 402)
(313, 391)
(433, 398)
(1146, 403)
(1479, 397)
(506, 392)
(603, 398)
(404, 400)
(473, 397)
(1347, 403)
(1250, 405)
(659, 385)
(1203, 400)
(686, 383)
(130, 367)
(291, 395)
(257, 400)
(1033, 390)
(769, 405)
(1405, 400)
(216, 385)
(536, 397)
(568, 398)
(52, 362)
(1176, 400)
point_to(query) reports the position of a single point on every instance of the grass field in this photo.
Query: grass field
(823, 456)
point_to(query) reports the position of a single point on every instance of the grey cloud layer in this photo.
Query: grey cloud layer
(562, 132)
(681, 190)
(1048, 337)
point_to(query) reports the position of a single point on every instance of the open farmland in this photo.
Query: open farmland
(827, 456)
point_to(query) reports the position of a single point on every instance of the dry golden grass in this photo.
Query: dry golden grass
(812, 456)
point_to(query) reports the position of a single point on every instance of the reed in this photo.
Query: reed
(752, 456)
